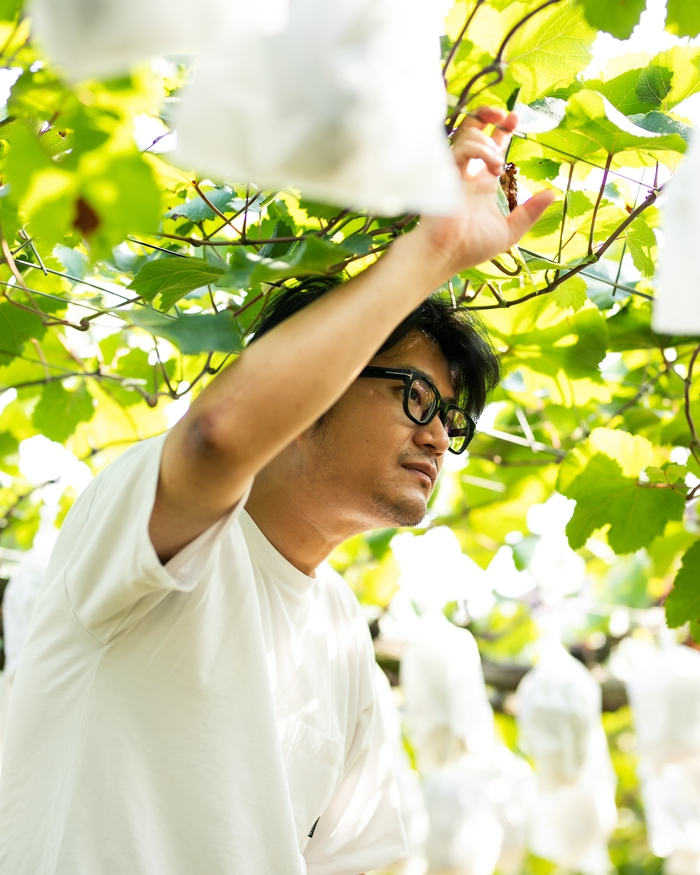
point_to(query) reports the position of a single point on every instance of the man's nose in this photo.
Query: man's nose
(434, 434)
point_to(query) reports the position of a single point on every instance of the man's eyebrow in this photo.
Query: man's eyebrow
(421, 373)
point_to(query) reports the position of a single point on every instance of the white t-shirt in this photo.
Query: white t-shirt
(205, 716)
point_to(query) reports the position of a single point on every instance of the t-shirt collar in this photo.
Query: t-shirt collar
(272, 558)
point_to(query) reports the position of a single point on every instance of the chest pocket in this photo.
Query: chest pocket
(313, 771)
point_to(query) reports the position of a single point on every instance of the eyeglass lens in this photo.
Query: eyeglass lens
(422, 402)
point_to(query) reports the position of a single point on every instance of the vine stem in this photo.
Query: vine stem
(564, 211)
(597, 203)
(247, 205)
(584, 264)
(694, 439)
(211, 205)
(458, 41)
(9, 259)
(496, 66)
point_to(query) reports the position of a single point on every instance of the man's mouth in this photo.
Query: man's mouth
(424, 470)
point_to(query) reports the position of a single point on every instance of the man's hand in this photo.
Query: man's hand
(480, 231)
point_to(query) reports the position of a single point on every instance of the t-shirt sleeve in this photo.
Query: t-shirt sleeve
(361, 828)
(112, 573)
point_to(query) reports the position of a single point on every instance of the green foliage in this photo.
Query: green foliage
(191, 333)
(683, 602)
(596, 127)
(172, 278)
(549, 50)
(17, 327)
(572, 294)
(641, 242)
(617, 17)
(59, 411)
(605, 497)
(682, 18)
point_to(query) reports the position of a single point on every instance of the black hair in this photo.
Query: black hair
(460, 334)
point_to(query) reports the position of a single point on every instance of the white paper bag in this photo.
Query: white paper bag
(677, 302)
(573, 813)
(343, 100)
(477, 809)
(559, 708)
(90, 38)
(345, 103)
(447, 709)
(571, 825)
(665, 697)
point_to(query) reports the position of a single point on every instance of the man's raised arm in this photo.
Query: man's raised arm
(280, 385)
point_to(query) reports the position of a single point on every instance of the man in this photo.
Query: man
(194, 696)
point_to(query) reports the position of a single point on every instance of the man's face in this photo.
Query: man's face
(380, 467)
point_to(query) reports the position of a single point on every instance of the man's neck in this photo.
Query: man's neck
(304, 533)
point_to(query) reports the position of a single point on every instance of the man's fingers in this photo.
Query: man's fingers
(524, 217)
(480, 117)
(470, 131)
(484, 149)
(510, 123)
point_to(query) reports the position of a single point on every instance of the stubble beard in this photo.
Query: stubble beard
(395, 511)
(398, 510)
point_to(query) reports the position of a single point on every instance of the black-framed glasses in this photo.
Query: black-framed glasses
(422, 403)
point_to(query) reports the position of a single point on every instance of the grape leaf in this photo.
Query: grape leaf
(621, 91)
(317, 210)
(549, 222)
(654, 84)
(549, 50)
(670, 473)
(576, 344)
(617, 17)
(630, 328)
(572, 294)
(197, 210)
(593, 125)
(172, 278)
(683, 602)
(135, 370)
(190, 333)
(9, 9)
(641, 242)
(307, 258)
(591, 114)
(683, 18)
(9, 215)
(123, 192)
(16, 328)
(541, 116)
(59, 411)
(660, 123)
(682, 62)
(539, 168)
(75, 262)
(9, 452)
(577, 204)
(604, 496)
(275, 250)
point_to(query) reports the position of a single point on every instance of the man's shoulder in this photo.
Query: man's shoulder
(333, 583)
(338, 592)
